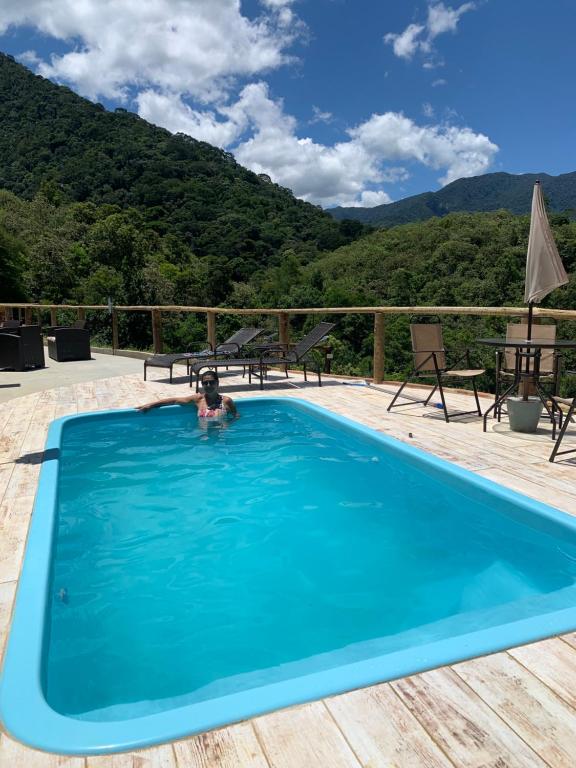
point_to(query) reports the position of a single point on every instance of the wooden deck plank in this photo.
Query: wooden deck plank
(570, 639)
(553, 662)
(232, 747)
(462, 723)
(507, 476)
(7, 594)
(6, 470)
(383, 732)
(158, 757)
(303, 737)
(527, 705)
(14, 520)
(23, 480)
(16, 755)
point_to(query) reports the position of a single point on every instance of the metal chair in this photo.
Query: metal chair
(564, 419)
(430, 362)
(507, 360)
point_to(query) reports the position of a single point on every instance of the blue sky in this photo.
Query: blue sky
(352, 102)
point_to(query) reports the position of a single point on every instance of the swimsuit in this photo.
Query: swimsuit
(216, 411)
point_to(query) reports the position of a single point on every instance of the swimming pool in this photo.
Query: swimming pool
(177, 579)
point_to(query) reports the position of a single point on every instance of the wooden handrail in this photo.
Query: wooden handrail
(283, 315)
(560, 314)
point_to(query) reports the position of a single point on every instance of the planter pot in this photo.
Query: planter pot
(524, 415)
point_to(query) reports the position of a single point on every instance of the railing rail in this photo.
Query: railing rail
(283, 315)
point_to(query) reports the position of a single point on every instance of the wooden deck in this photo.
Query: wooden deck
(509, 710)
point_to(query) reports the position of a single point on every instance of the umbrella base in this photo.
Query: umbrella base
(524, 415)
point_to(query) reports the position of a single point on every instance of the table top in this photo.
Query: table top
(532, 344)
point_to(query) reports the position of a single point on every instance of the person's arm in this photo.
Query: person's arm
(168, 401)
(230, 406)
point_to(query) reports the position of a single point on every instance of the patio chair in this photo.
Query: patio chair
(69, 344)
(231, 346)
(559, 404)
(430, 363)
(271, 355)
(506, 361)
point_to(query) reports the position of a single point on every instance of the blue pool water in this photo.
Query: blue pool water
(189, 565)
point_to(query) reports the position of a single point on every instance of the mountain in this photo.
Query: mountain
(490, 192)
(74, 151)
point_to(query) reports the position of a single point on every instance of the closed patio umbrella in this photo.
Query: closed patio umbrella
(544, 268)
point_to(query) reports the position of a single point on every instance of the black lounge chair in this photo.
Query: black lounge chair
(231, 346)
(271, 355)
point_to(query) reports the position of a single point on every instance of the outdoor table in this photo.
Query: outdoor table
(525, 350)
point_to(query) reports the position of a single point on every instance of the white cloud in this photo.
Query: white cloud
(369, 199)
(264, 138)
(418, 38)
(459, 151)
(183, 61)
(194, 47)
(439, 82)
(29, 58)
(428, 110)
(442, 19)
(169, 111)
(279, 4)
(321, 117)
(405, 44)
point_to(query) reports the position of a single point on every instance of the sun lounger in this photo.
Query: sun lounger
(271, 355)
(231, 346)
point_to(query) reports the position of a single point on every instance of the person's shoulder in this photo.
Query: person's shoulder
(227, 400)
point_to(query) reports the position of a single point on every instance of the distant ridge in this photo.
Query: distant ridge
(489, 192)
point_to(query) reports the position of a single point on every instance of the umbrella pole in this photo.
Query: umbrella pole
(530, 315)
(525, 387)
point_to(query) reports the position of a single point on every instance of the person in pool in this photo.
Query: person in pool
(210, 403)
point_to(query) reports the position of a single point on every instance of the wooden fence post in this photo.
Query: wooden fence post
(81, 315)
(283, 328)
(157, 330)
(115, 343)
(53, 316)
(211, 329)
(378, 364)
(28, 315)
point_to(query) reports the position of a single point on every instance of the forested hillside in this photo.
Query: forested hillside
(84, 253)
(490, 192)
(55, 142)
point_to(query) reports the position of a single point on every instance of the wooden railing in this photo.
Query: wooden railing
(283, 316)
